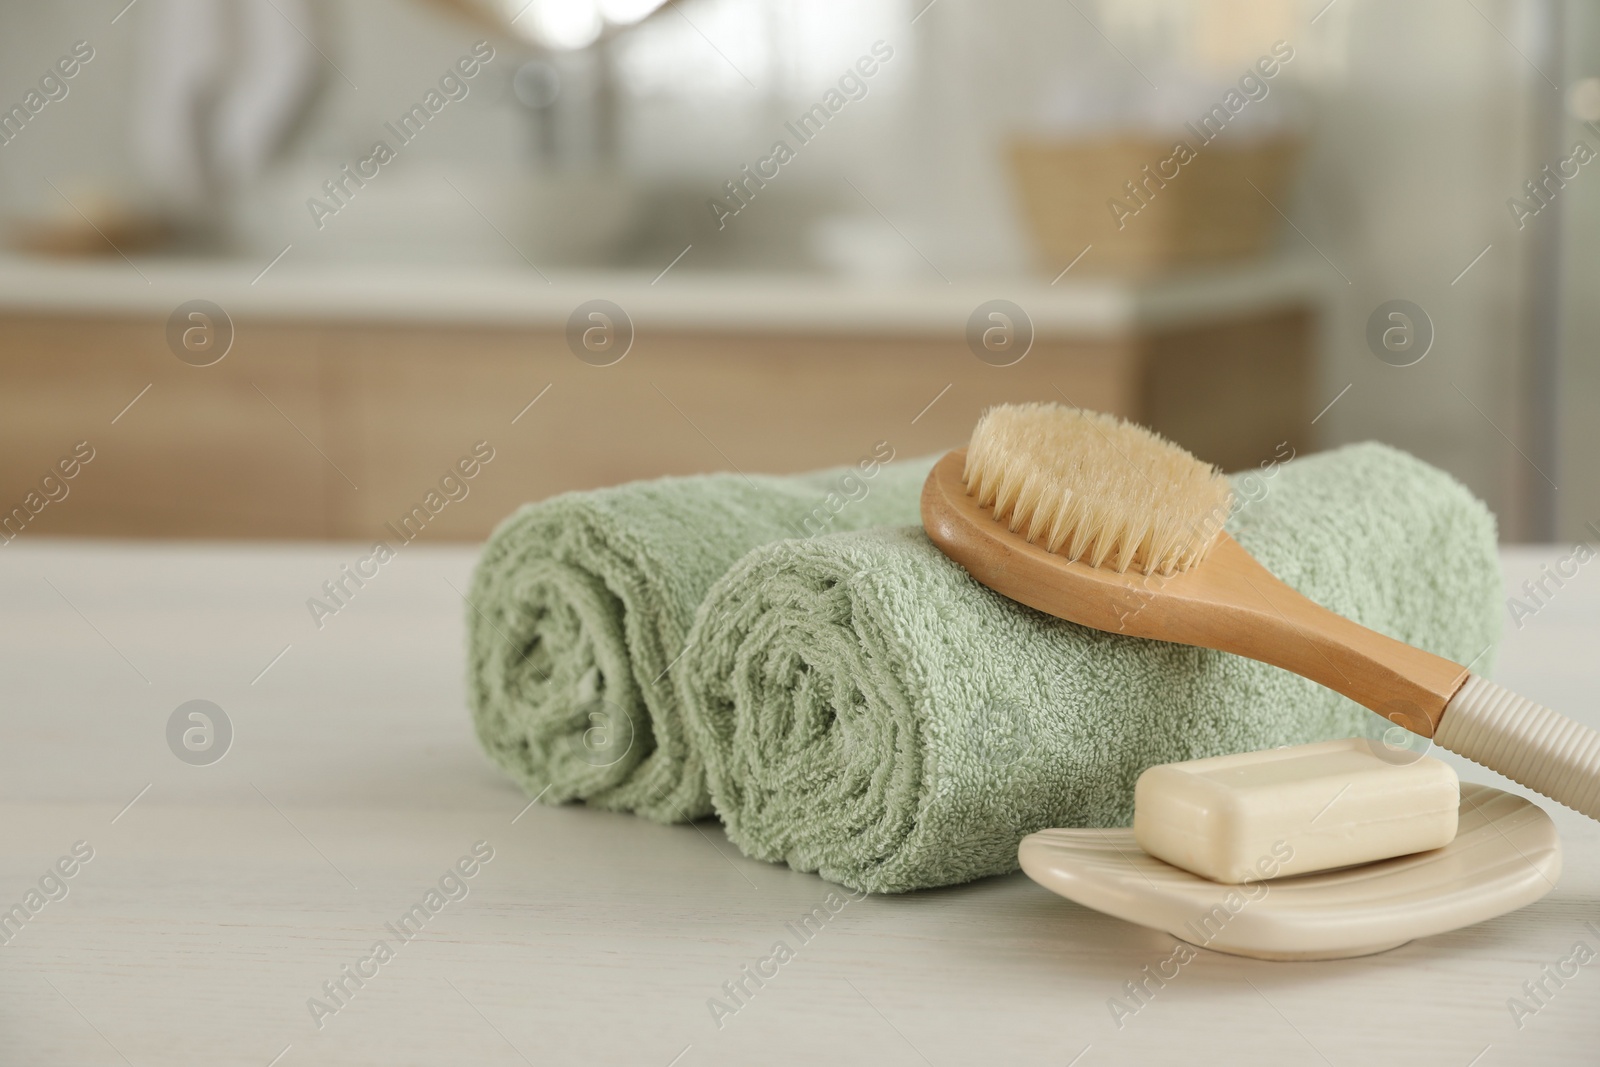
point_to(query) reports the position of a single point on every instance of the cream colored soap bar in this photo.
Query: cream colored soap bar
(1293, 810)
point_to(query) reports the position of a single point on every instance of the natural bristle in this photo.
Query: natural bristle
(1094, 488)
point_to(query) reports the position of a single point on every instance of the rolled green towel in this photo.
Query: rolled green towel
(581, 605)
(868, 711)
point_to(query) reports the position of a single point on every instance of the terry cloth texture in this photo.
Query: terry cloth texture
(866, 710)
(581, 605)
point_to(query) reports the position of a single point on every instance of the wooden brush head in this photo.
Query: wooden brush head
(1095, 488)
(1230, 603)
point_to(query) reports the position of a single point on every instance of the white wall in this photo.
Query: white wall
(1420, 140)
(1578, 503)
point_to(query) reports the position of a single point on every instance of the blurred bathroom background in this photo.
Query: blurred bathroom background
(778, 310)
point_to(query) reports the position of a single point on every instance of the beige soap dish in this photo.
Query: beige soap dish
(1505, 855)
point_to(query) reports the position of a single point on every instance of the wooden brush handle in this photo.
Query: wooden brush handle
(1232, 603)
(1526, 742)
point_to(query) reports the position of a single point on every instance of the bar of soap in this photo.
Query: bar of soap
(1293, 810)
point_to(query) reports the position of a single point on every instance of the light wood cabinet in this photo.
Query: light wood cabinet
(329, 422)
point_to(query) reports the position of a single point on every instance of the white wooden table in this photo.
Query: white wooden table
(220, 898)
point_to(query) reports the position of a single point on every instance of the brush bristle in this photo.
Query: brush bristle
(1096, 489)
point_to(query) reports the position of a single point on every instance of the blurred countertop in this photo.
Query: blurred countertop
(720, 302)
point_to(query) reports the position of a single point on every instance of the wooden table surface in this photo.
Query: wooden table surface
(220, 898)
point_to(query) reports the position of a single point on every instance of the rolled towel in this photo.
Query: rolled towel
(868, 711)
(581, 605)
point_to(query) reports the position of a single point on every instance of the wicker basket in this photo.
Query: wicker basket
(1207, 212)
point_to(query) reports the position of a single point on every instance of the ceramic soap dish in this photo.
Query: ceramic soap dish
(1505, 855)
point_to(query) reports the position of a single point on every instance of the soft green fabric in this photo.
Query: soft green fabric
(581, 605)
(867, 711)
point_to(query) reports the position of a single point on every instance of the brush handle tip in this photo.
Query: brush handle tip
(1527, 742)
